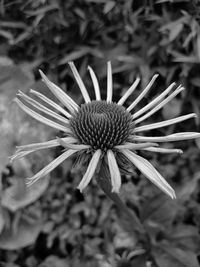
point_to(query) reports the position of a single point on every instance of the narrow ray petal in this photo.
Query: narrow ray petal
(114, 172)
(50, 167)
(109, 82)
(160, 105)
(19, 155)
(50, 103)
(67, 101)
(163, 150)
(41, 118)
(149, 172)
(69, 145)
(144, 92)
(153, 102)
(48, 144)
(164, 123)
(95, 83)
(129, 92)
(80, 82)
(133, 146)
(42, 108)
(167, 138)
(90, 170)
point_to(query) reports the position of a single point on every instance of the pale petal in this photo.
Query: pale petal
(67, 101)
(42, 108)
(68, 145)
(149, 172)
(164, 123)
(95, 83)
(41, 118)
(50, 167)
(114, 172)
(48, 144)
(133, 146)
(129, 92)
(90, 170)
(167, 138)
(80, 82)
(109, 82)
(163, 150)
(144, 92)
(160, 105)
(20, 154)
(153, 102)
(51, 103)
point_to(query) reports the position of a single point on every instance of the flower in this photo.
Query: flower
(103, 129)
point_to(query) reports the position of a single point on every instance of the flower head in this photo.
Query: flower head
(102, 128)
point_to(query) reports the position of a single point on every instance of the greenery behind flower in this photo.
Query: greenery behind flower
(141, 38)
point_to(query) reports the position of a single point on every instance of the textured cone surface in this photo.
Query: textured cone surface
(101, 125)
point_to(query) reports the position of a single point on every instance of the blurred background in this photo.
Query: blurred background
(53, 224)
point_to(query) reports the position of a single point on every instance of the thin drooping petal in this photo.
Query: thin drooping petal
(50, 167)
(109, 82)
(90, 170)
(114, 172)
(80, 82)
(160, 105)
(48, 144)
(69, 145)
(163, 150)
(20, 154)
(129, 92)
(153, 102)
(167, 138)
(41, 118)
(133, 146)
(95, 83)
(164, 123)
(67, 101)
(42, 108)
(149, 172)
(144, 92)
(51, 103)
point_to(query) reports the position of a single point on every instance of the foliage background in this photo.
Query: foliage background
(57, 226)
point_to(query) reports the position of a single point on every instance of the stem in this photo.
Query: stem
(105, 185)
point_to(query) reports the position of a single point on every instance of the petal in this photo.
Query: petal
(68, 145)
(168, 138)
(50, 167)
(41, 118)
(150, 172)
(133, 146)
(80, 82)
(160, 105)
(144, 92)
(20, 154)
(95, 83)
(109, 82)
(42, 108)
(114, 172)
(153, 102)
(90, 170)
(164, 123)
(67, 101)
(129, 92)
(50, 103)
(163, 150)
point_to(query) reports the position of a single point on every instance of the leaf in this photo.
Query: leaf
(13, 202)
(54, 261)
(25, 235)
(166, 255)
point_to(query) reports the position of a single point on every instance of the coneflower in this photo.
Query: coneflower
(101, 128)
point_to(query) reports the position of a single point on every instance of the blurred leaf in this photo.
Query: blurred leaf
(2, 220)
(172, 109)
(53, 261)
(13, 199)
(166, 255)
(25, 235)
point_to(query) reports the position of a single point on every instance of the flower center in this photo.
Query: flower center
(101, 125)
